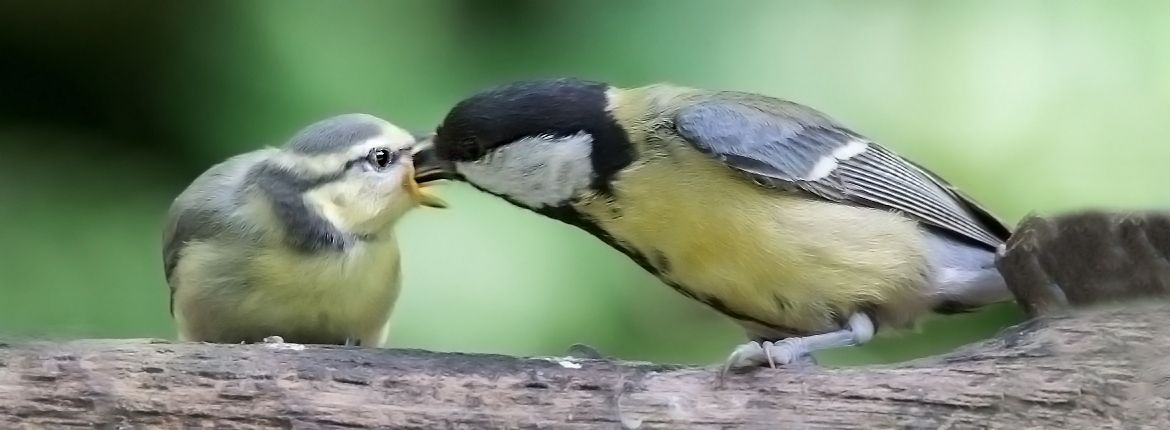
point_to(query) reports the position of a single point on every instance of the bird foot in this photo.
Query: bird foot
(786, 352)
(773, 354)
(858, 331)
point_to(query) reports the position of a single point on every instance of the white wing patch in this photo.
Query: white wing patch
(827, 164)
(535, 171)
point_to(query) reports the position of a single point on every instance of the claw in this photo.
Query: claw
(788, 350)
(744, 355)
(726, 368)
(723, 374)
(768, 353)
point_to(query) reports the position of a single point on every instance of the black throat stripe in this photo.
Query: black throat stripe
(305, 229)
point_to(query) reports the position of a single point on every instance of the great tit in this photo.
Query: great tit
(295, 243)
(808, 234)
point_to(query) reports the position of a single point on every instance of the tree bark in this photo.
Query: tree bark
(1053, 264)
(1088, 366)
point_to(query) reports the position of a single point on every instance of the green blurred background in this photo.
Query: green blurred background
(108, 109)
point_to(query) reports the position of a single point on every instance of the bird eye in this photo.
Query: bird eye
(381, 158)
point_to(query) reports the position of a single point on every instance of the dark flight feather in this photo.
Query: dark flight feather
(780, 144)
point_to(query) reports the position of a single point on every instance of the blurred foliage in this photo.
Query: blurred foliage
(107, 110)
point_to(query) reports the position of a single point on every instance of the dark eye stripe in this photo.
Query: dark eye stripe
(393, 157)
(349, 164)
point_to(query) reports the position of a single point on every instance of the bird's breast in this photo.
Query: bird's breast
(347, 291)
(783, 259)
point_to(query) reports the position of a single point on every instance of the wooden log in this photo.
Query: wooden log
(1091, 358)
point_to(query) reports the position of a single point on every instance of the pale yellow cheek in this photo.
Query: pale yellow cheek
(362, 205)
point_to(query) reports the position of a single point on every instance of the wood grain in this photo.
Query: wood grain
(1096, 355)
(1104, 368)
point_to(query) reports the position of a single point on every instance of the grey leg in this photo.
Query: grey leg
(859, 331)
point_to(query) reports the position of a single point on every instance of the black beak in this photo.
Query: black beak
(428, 167)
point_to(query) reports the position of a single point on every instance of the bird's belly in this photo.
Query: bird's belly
(782, 260)
(313, 318)
(336, 296)
(323, 299)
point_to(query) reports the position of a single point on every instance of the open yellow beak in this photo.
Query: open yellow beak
(427, 167)
(420, 195)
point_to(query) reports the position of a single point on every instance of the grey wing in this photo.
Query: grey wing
(186, 224)
(204, 210)
(786, 145)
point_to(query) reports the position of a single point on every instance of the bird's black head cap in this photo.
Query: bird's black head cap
(555, 107)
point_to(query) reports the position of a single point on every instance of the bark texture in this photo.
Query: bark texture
(1085, 258)
(1105, 368)
(1083, 362)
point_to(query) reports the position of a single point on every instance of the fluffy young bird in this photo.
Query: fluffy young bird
(805, 232)
(297, 241)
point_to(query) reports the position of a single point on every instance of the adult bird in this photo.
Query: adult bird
(808, 234)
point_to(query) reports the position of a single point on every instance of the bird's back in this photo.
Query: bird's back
(207, 208)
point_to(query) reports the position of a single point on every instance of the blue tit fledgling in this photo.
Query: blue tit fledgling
(806, 233)
(297, 241)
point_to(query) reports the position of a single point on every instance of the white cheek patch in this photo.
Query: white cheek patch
(535, 171)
